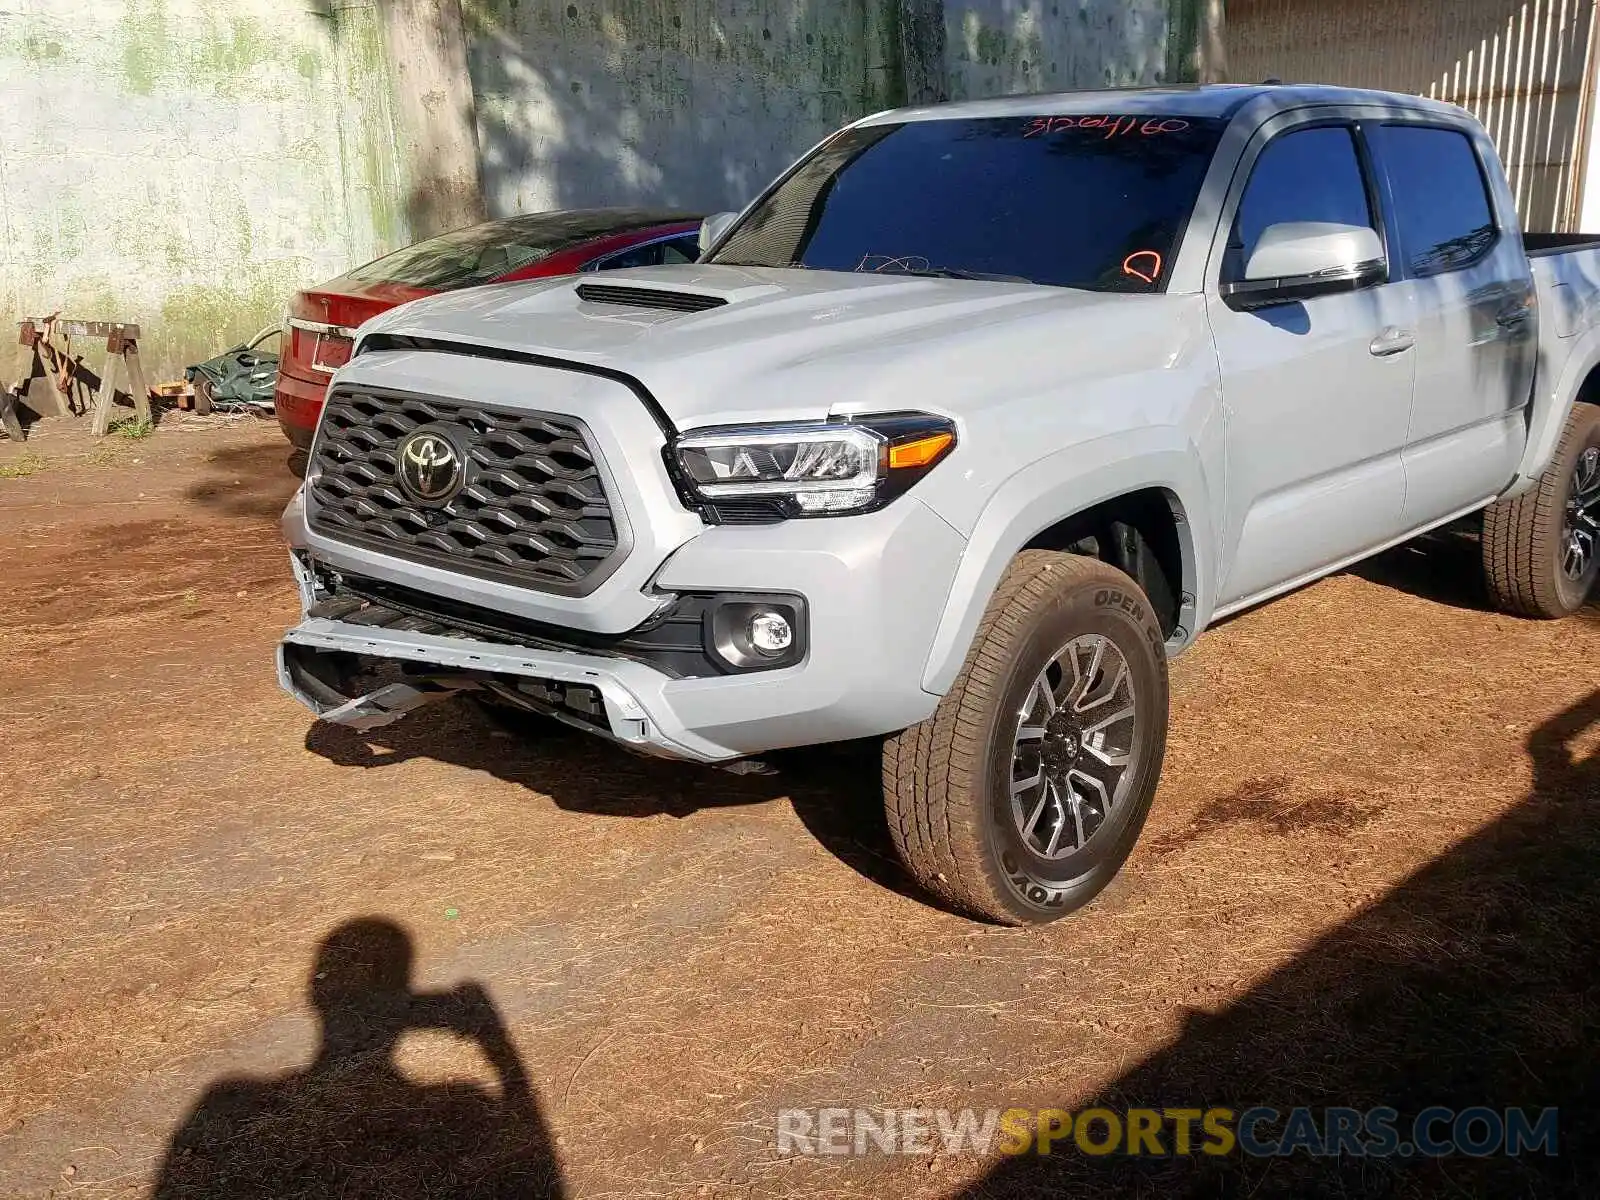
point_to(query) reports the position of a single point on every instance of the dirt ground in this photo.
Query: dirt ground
(1369, 878)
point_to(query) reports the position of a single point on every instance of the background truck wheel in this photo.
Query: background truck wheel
(1023, 794)
(1541, 550)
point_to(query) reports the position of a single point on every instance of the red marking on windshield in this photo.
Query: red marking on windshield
(1143, 264)
(1114, 126)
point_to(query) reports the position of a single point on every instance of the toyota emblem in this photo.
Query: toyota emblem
(431, 468)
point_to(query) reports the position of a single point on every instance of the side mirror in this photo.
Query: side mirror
(1298, 260)
(713, 227)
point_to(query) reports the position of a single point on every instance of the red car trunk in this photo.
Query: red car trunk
(322, 350)
(322, 320)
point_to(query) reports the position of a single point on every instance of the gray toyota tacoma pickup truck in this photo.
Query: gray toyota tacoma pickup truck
(953, 437)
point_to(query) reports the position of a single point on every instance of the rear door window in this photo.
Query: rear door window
(1442, 207)
(647, 255)
(1304, 175)
(652, 254)
(681, 250)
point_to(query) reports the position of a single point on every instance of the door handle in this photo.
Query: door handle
(1510, 318)
(1393, 341)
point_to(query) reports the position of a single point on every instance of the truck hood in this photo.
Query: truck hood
(794, 344)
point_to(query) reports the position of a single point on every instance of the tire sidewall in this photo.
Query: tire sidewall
(1034, 889)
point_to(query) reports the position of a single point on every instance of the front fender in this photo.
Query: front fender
(1054, 488)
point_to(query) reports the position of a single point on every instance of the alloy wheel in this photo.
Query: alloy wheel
(1580, 530)
(1073, 747)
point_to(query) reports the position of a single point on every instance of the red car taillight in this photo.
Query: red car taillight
(316, 345)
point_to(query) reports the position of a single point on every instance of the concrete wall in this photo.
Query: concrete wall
(701, 104)
(188, 163)
(436, 122)
(695, 104)
(999, 47)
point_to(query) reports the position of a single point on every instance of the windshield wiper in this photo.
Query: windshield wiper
(776, 266)
(925, 272)
(952, 273)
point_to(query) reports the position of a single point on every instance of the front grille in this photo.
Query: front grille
(644, 297)
(532, 509)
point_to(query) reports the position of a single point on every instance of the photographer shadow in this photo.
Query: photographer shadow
(351, 1124)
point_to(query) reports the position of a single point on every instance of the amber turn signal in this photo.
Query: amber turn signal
(921, 452)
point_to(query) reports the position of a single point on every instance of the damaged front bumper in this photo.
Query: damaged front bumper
(618, 664)
(319, 659)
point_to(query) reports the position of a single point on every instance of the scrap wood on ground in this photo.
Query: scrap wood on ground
(59, 383)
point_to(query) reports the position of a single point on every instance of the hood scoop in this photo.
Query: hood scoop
(646, 297)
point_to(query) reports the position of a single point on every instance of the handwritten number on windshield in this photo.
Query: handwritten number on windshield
(883, 263)
(1113, 126)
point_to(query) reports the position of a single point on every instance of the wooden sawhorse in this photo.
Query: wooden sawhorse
(59, 370)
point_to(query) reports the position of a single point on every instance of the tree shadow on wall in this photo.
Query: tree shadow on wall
(1475, 982)
(599, 103)
(351, 1125)
(607, 102)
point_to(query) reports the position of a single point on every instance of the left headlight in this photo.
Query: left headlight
(813, 469)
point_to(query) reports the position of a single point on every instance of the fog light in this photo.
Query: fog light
(770, 633)
(750, 631)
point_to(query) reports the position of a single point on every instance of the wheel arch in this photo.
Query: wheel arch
(1082, 496)
(1579, 383)
(1146, 534)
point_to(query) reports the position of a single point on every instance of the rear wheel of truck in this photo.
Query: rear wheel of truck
(1541, 550)
(1021, 797)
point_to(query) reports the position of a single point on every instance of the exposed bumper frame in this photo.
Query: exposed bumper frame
(627, 720)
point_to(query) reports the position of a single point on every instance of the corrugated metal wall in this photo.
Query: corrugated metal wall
(1525, 69)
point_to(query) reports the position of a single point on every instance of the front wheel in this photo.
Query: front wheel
(1022, 796)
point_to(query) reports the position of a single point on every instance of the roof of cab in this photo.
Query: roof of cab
(1218, 100)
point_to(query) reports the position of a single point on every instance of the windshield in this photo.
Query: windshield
(1094, 202)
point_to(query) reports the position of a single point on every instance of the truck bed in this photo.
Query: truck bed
(1566, 272)
(1540, 245)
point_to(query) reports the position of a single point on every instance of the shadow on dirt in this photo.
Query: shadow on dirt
(351, 1124)
(1445, 566)
(835, 790)
(1474, 983)
(252, 482)
(1269, 805)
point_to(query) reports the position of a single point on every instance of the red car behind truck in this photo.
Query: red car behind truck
(322, 321)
